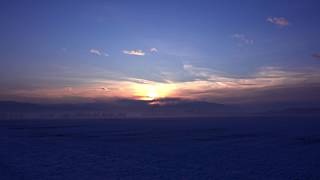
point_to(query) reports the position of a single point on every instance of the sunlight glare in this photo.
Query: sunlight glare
(153, 91)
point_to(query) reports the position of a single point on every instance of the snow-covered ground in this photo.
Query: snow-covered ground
(206, 148)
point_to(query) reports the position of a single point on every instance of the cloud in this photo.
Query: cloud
(279, 21)
(202, 83)
(134, 52)
(218, 87)
(98, 52)
(316, 55)
(263, 77)
(242, 39)
(154, 50)
(198, 72)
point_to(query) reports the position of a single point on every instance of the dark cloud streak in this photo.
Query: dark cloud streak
(316, 55)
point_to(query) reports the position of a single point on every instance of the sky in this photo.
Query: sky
(210, 50)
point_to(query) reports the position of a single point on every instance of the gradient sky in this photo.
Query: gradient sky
(221, 51)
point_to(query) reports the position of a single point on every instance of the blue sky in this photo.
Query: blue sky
(54, 45)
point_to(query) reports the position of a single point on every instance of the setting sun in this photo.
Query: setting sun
(153, 91)
(152, 94)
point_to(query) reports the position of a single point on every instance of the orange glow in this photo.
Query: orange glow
(152, 91)
(214, 87)
(152, 94)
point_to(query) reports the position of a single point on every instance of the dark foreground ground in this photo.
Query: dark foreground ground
(206, 148)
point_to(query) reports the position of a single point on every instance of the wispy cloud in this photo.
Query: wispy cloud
(134, 52)
(154, 50)
(199, 72)
(95, 51)
(243, 39)
(218, 86)
(204, 84)
(263, 77)
(316, 55)
(98, 52)
(279, 21)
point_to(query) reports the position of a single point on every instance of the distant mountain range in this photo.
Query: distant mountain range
(125, 108)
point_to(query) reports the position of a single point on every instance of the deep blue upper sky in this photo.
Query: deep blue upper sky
(59, 44)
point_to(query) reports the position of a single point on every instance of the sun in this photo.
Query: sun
(150, 92)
